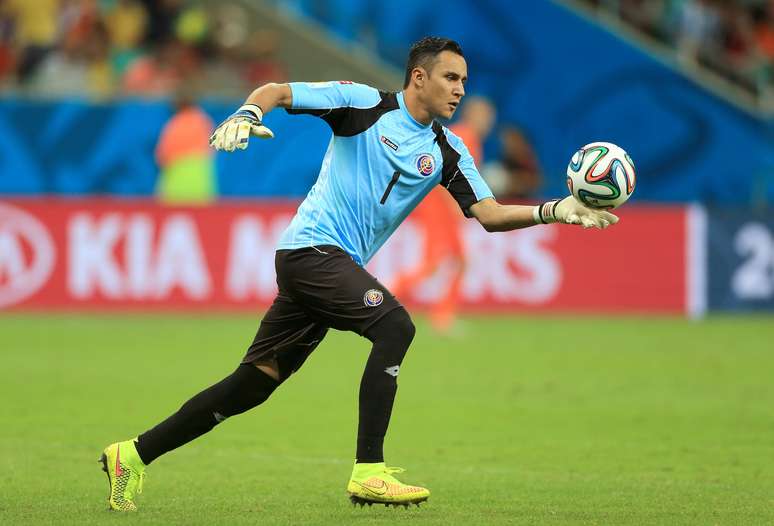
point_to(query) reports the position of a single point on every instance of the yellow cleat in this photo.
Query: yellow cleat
(126, 473)
(375, 484)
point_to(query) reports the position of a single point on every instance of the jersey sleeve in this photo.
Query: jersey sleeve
(459, 174)
(340, 104)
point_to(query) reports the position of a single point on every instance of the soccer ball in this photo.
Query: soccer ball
(601, 175)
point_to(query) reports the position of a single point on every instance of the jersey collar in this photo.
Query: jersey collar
(412, 121)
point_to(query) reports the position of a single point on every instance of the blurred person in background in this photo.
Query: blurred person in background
(763, 20)
(183, 153)
(517, 176)
(35, 31)
(698, 31)
(439, 217)
(161, 72)
(162, 15)
(650, 16)
(79, 67)
(262, 63)
(738, 44)
(387, 152)
(127, 24)
(8, 48)
(229, 46)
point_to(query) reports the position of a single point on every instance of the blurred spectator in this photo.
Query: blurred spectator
(261, 62)
(161, 72)
(80, 66)
(161, 19)
(738, 44)
(8, 56)
(649, 16)
(127, 24)
(763, 21)
(229, 45)
(524, 176)
(475, 124)
(183, 153)
(517, 176)
(698, 31)
(35, 27)
(192, 25)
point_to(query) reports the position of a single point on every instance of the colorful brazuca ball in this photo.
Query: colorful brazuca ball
(601, 175)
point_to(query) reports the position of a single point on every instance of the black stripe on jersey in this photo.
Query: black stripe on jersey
(347, 122)
(452, 177)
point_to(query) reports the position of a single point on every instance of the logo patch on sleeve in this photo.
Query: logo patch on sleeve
(425, 164)
(373, 298)
(388, 142)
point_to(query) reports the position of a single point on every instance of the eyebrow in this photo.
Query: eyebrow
(455, 75)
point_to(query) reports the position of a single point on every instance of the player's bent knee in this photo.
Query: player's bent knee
(395, 326)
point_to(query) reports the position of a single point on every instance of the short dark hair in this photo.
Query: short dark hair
(425, 52)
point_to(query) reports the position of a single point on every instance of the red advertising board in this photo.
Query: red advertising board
(138, 255)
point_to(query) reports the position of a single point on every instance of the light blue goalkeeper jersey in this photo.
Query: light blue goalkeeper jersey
(379, 165)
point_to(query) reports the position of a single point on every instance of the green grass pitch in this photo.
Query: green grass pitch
(521, 420)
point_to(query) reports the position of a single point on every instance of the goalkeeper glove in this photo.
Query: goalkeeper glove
(571, 212)
(235, 131)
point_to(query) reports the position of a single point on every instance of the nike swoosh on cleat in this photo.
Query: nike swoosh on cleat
(381, 490)
(119, 471)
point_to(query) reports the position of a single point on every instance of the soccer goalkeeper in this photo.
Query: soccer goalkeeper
(387, 152)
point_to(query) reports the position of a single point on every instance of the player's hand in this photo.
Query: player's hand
(235, 131)
(571, 212)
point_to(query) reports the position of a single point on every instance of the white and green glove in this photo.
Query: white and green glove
(235, 131)
(571, 212)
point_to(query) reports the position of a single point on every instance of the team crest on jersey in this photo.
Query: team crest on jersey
(425, 164)
(373, 298)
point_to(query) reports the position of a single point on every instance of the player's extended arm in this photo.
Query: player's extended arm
(236, 130)
(495, 217)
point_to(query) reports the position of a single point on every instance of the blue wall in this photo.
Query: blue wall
(79, 149)
(564, 80)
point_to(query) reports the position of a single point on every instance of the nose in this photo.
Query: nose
(459, 90)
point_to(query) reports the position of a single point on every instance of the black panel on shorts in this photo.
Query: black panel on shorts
(347, 122)
(332, 288)
(452, 177)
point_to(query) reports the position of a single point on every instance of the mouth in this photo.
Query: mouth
(453, 105)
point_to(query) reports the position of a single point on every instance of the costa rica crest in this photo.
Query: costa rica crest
(425, 164)
(373, 298)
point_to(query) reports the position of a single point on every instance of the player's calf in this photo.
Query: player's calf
(391, 336)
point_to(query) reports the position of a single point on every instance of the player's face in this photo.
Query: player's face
(445, 85)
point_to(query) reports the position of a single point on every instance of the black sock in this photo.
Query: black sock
(391, 337)
(244, 389)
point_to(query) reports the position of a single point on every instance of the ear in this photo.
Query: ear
(419, 75)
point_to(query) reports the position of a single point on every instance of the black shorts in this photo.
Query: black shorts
(319, 288)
